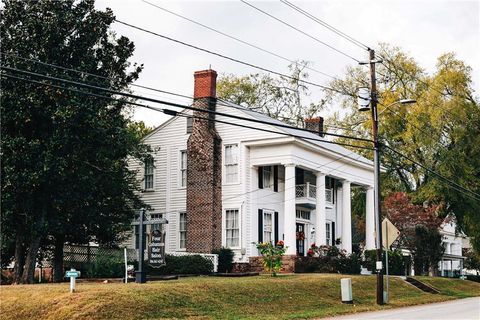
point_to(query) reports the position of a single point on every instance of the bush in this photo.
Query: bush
(225, 260)
(328, 259)
(272, 256)
(194, 264)
(472, 277)
(106, 266)
(396, 262)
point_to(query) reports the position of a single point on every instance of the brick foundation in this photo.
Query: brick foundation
(255, 264)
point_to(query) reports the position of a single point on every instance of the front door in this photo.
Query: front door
(300, 239)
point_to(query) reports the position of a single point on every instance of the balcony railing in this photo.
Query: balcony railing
(308, 190)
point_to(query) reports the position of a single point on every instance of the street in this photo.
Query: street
(464, 309)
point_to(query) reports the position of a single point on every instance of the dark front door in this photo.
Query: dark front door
(300, 239)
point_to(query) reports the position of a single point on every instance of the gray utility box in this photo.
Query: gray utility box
(346, 284)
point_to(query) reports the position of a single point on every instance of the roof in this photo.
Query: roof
(302, 134)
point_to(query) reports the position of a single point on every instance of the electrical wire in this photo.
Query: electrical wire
(326, 25)
(239, 40)
(301, 31)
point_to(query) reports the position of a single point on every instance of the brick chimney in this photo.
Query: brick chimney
(314, 124)
(204, 170)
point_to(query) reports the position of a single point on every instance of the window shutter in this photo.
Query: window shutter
(260, 177)
(333, 233)
(275, 178)
(260, 225)
(276, 227)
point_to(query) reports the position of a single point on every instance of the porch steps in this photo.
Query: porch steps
(422, 286)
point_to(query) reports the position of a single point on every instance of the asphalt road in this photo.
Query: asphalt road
(463, 309)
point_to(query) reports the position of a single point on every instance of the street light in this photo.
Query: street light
(372, 106)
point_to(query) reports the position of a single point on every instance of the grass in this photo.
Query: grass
(284, 297)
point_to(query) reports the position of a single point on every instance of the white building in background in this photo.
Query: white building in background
(452, 259)
(231, 186)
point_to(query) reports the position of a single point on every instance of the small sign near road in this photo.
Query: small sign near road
(156, 250)
(390, 233)
(72, 273)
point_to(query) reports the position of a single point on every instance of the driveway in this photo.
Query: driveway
(463, 309)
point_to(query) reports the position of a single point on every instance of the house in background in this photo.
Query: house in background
(221, 185)
(452, 260)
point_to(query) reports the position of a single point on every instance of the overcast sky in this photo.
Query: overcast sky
(424, 29)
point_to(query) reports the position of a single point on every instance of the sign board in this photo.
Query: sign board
(72, 273)
(390, 233)
(156, 249)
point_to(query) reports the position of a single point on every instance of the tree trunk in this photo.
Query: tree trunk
(19, 258)
(58, 259)
(31, 257)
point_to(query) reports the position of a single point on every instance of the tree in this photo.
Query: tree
(419, 230)
(441, 131)
(280, 98)
(64, 153)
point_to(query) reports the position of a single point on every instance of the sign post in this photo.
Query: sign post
(140, 274)
(390, 234)
(72, 274)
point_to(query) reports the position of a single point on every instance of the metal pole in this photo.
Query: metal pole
(140, 274)
(126, 264)
(376, 160)
(386, 264)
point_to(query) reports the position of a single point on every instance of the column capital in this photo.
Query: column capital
(345, 182)
(319, 173)
(368, 188)
(289, 164)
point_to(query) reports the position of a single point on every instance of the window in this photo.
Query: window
(303, 214)
(267, 177)
(148, 175)
(328, 235)
(232, 228)
(189, 124)
(183, 168)
(182, 229)
(267, 226)
(231, 163)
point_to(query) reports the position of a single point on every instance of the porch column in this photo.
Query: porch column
(370, 221)
(321, 219)
(289, 213)
(346, 217)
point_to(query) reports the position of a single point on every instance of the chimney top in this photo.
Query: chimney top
(314, 124)
(205, 84)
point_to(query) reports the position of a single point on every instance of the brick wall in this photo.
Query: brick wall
(204, 171)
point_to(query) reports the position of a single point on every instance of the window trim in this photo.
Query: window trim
(272, 213)
(328, 231)
(181, 170)
(224, 227)
(145, 189)
(271, 180)
(179, 231)
(237, 181)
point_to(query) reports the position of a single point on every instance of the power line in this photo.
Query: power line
(239, 40)
(234, 59)
(326, 25)
(301, 31)
(174, 113)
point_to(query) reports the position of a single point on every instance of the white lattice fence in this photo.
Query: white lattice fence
(210, 256)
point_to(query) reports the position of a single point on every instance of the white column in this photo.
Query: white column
(289, 210)
(346, 217)
(370, 220)
(320, 212)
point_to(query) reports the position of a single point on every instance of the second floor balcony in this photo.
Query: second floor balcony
(307, 194)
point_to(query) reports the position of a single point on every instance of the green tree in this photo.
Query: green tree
(440, 131)
(64, 154)
(280, 98)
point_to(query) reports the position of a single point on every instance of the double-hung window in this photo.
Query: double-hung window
(183, 168)
(329, 234)
(182, 230)
(232, 228)
(267, 226)
(148, 174)
(267, 177)
(231, 163)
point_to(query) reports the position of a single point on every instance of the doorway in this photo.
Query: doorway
(300, 233)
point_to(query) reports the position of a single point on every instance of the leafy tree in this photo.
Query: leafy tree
(64, 153)
(280, 98)
(440, 131)
(472, 260)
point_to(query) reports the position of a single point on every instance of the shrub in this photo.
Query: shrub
(396, 262)
(472, 277)
(328, 259)
(192, 264)
(272, 256)
(225, 260)
(106, 266)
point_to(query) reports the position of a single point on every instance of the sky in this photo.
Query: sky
(424, 29)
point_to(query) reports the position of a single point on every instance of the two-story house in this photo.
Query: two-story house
(226, 185)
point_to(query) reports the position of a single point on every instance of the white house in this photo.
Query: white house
(224, 185)
(453, 242)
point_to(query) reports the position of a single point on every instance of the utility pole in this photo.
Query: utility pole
(376, 161)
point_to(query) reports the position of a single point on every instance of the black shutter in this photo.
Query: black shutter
(333, 234)
(260, 225)
(260, 177)
(275, 230)
(275, 178)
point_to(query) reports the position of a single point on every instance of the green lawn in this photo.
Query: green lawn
(285, 297)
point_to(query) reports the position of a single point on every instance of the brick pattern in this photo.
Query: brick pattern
(205, 84)
(314, 124)
(204, 182)
(255, 264)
